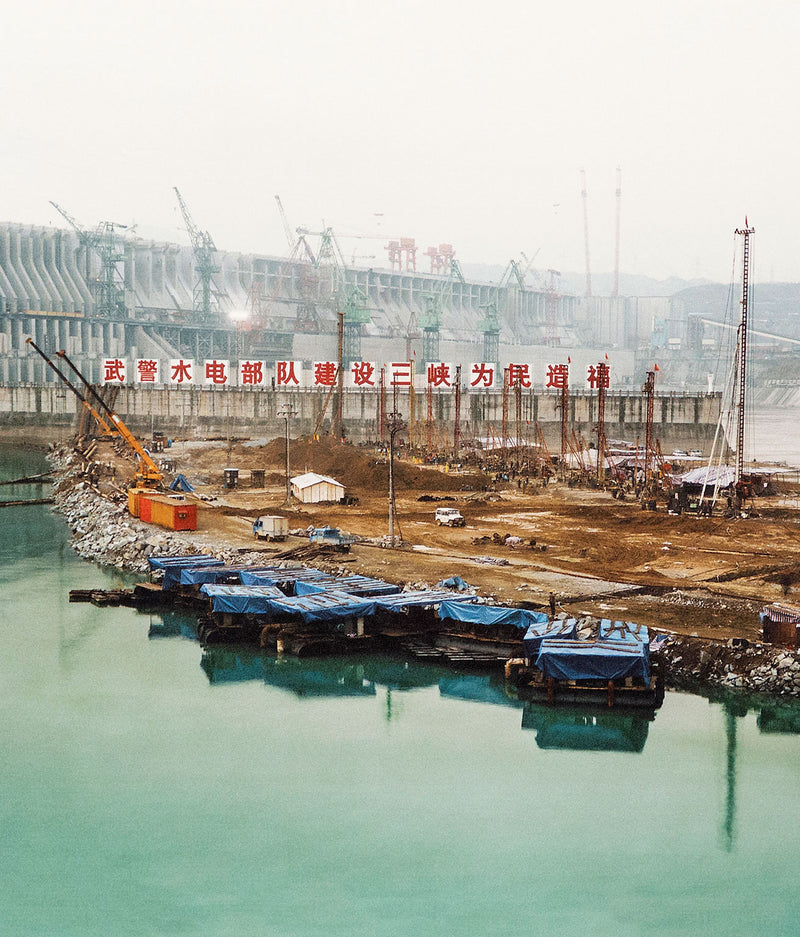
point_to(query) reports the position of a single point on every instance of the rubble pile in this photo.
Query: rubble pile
(740, 665)
(104, 532)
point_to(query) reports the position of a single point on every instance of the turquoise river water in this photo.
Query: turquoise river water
(147, 788)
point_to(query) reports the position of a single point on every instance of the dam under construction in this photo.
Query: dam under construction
(106, 295)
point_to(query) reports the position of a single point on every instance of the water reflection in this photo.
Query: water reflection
(772, 717)
(586, 729)
(173, 625)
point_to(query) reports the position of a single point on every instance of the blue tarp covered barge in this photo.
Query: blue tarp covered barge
(614, 668)
(294, 608)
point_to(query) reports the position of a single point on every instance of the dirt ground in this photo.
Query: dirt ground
(691, 575)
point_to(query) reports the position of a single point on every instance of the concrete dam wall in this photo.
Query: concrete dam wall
(681, 420)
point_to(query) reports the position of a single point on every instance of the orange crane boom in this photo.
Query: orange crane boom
(100, 421)
(148, 473)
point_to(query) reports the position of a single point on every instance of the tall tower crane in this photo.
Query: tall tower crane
(585, 198)
(351, 302)
(205, 298)
(616, 234)
(299, 248)
(108, 288)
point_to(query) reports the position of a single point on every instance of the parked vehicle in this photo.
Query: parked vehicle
(332, 537)
(450, 517)
(270, 527)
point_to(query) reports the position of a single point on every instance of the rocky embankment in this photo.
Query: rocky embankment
(104, 532)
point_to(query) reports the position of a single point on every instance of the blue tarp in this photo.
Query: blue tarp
(326, 606)
(269, 578)
(195, 575)
(490, 614)
(404, 600)
(181, 483)
(593, 660)
(539, 630)
(354, 585)
(454, 582)
(241, 600)
(627, 631)
(173, 572)
(162, 562)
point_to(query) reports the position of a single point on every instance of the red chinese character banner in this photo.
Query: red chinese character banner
(438, 375)
(114, 371)
(481, 375)
(181, 371)
(252, 374)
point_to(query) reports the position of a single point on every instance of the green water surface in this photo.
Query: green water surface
(147, 788)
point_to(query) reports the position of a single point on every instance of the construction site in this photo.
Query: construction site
(589, 493)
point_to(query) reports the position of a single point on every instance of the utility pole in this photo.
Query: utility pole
(337, 427)
(286, 413)
(745, 232)
(396, 424)
(602, 383)
(504, 416)
(564, 419)
(382, 406)
(457, 424)
(649, 453)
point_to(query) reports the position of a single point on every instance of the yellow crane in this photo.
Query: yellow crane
(148, 474)
(100, 421)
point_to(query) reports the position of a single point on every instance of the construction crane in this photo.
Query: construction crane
(585, 197)
(350, 300)
(430, 319)
(108, 288)
(205, 298)
(551, 303)
(299, 248)
(107, 430)
(148, 474)
(490, 326)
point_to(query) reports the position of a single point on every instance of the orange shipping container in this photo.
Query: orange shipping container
(174, 513)
(134, 498)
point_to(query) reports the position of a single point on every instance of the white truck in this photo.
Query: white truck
(270, 527)
(450, 517)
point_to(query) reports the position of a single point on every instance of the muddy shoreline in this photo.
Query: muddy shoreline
(103, 532)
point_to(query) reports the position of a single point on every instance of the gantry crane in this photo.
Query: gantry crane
(299, 248)
(205, 298)
(108, 288)
(351, 302)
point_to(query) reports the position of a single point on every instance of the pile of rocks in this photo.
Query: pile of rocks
(102, 530)
(758, 668)
(105, 533)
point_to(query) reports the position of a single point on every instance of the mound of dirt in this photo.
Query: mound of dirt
(360, 469)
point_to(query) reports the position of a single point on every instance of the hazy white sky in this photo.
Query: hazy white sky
(460, 122)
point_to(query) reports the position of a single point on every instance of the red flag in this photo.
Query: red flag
(655, 367)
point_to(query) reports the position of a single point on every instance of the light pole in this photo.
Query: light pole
(395, 424)
(286, 413)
